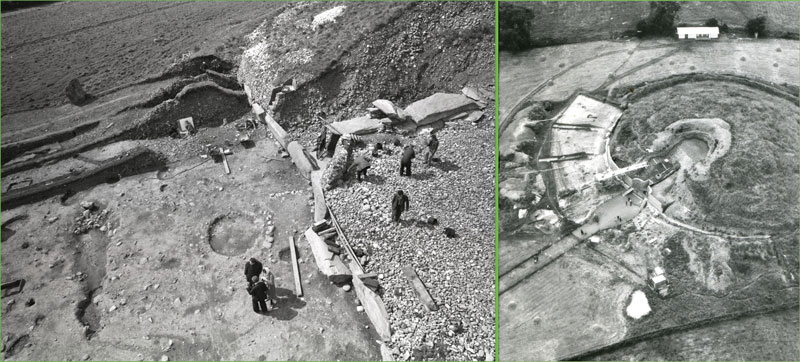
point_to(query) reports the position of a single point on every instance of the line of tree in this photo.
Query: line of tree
(660, 21)
(756, 27)
(514, 26)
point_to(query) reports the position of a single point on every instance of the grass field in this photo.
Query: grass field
(571, 22)
(570, 305)
(769, 337)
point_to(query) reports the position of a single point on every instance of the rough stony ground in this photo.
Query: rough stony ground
(401, 51)
(458, 272)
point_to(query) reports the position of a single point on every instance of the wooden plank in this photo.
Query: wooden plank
(419, 288)
(327, 232)
(298, 287)
(346, 244)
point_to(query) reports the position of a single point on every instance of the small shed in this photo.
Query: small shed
(698, 32)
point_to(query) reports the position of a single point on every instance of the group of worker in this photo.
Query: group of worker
(400, 202)
(362, 163)
(260, 288)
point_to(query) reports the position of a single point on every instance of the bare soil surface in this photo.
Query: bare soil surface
(153, 275)
(106, 45)
(155, 270)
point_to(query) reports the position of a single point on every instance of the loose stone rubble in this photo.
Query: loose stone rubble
(459, 273)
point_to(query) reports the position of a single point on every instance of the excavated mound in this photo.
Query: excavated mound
(755, 184)
(402, 52)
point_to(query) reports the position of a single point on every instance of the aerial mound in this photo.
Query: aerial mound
(755, 183)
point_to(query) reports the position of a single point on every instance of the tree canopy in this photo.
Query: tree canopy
(514, 24)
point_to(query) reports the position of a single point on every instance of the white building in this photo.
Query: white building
(700, 32)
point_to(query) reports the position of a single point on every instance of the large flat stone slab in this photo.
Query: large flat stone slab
(439, 106)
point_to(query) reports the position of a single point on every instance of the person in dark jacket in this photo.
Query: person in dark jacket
(361, 164)
(399, 204)
(252, 269)
(259, 291)
(405, 161)
(321, 143)
(433, 145)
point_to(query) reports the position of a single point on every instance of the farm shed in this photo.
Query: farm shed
(703, 32)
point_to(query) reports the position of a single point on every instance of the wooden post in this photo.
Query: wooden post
(225, 162)
(298, 287)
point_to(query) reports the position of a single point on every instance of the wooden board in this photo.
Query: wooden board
(419, 288)
(298, 286)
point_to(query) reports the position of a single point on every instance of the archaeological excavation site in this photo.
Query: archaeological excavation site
(648, 184)
(342, 154)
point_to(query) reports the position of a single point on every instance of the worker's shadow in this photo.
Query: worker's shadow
(424, 175)
(445, 165)
(375, 179)
(287, 304)
(419, 223)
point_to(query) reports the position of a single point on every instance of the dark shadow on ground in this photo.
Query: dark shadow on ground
(421, 224)
(424, 175)
(375, 179)
(287, 304)
(445, 165)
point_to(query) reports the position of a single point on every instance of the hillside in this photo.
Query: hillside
(402, 52)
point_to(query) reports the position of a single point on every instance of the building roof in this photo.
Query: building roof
(698, 30)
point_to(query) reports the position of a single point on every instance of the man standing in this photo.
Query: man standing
(252, 269)
(433, 145)
(321, 143)
(405, 161)
(361, 164)
(258, 290)
(399, 204)
(269, 280)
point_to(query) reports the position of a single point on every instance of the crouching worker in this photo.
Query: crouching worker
(361, 164)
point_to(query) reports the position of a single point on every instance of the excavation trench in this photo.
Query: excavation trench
(90, 260)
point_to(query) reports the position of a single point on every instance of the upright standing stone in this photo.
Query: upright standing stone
(75, 92)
